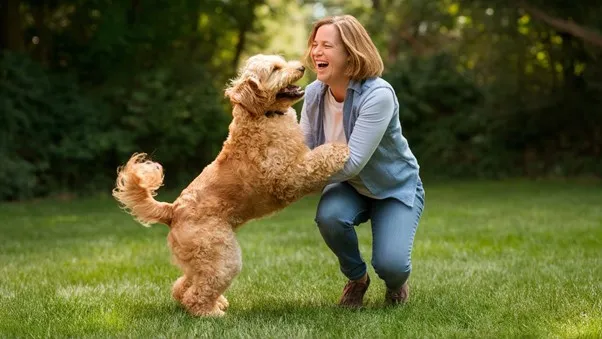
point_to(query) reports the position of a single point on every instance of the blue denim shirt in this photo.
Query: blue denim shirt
(392, 170)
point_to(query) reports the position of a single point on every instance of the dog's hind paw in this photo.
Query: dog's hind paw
(222, 303)
(215, 311)
(179, 288)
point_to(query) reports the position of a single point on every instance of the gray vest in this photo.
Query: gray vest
(392, 171)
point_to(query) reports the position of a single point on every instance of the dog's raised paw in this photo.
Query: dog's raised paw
(338, 155)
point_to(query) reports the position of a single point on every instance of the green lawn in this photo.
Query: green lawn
(505, 259)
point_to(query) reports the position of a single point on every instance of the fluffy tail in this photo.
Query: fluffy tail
(135, 188)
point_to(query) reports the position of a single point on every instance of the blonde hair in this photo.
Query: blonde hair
(364, 59)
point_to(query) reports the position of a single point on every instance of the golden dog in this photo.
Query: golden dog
(264, 166)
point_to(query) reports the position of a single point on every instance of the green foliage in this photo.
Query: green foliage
(487, 88)
(173, 113)
(459, 128)
(537, 112)
(103, 79)
(61, 138)
(437, 111)
(53, 133)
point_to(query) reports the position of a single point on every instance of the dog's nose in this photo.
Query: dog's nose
(301, 69)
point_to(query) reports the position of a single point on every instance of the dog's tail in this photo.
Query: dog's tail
(135, 188)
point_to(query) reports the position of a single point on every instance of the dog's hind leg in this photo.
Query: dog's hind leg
(211, 269)
(179, 287)
(183, 284)
(201, 298)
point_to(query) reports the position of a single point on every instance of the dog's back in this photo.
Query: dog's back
(245, 179)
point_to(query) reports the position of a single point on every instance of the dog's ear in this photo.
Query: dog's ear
(250, 94)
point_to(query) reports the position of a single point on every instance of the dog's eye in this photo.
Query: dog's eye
(276, 68)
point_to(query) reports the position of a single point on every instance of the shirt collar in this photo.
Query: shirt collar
(355, 85)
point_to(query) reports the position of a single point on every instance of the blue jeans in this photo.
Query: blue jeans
(394, 225)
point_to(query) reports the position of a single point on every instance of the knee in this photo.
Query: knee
(330, 222)
(392, 268)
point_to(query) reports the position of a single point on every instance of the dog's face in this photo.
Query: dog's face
(265, 83)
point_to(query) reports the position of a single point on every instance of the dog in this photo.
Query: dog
(263, 166)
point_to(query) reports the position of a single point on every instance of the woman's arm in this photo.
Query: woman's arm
(370, 126)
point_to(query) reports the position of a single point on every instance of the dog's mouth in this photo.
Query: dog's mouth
(290, 91)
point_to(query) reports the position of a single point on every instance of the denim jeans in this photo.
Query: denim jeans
(394, 225)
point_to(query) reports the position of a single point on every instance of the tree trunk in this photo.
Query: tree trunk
(11, 31)
(43, 44)
(240, 45)
(133, 12)
(245, 24)
(376, 5)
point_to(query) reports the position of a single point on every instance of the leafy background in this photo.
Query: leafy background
(489, 89)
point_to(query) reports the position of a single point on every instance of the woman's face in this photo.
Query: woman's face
(329, 55)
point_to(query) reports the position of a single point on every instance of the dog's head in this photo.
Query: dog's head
(265, 83)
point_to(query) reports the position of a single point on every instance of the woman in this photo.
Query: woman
(350, 103)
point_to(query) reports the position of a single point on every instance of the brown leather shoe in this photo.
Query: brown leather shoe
(396, 297)
(353, 293)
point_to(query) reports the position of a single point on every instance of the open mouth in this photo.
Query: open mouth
(290, 91)
(321, 64)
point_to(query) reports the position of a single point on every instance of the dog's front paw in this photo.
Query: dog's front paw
(337, 155)
(321, 163)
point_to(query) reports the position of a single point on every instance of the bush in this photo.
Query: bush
(59, 137)
(53, 134)
(174, 114)
(457, 128)
(438, 116)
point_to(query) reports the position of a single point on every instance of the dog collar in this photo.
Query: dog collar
(270, 114)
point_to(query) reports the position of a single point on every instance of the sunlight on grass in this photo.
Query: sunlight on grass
(511, 259)
(583, 326)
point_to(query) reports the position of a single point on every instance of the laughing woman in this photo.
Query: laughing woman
(350, 103)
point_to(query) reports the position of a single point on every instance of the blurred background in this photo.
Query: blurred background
(488, 89)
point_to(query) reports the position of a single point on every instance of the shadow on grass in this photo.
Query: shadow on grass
(263, 312)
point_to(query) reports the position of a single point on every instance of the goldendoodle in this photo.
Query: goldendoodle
(264, 165)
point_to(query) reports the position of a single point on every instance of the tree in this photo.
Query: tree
(10, 26)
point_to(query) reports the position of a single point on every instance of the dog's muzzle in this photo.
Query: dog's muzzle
(290, 91)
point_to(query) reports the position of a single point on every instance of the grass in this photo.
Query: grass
(491, 259)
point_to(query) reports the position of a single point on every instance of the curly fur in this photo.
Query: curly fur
(264, 166)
